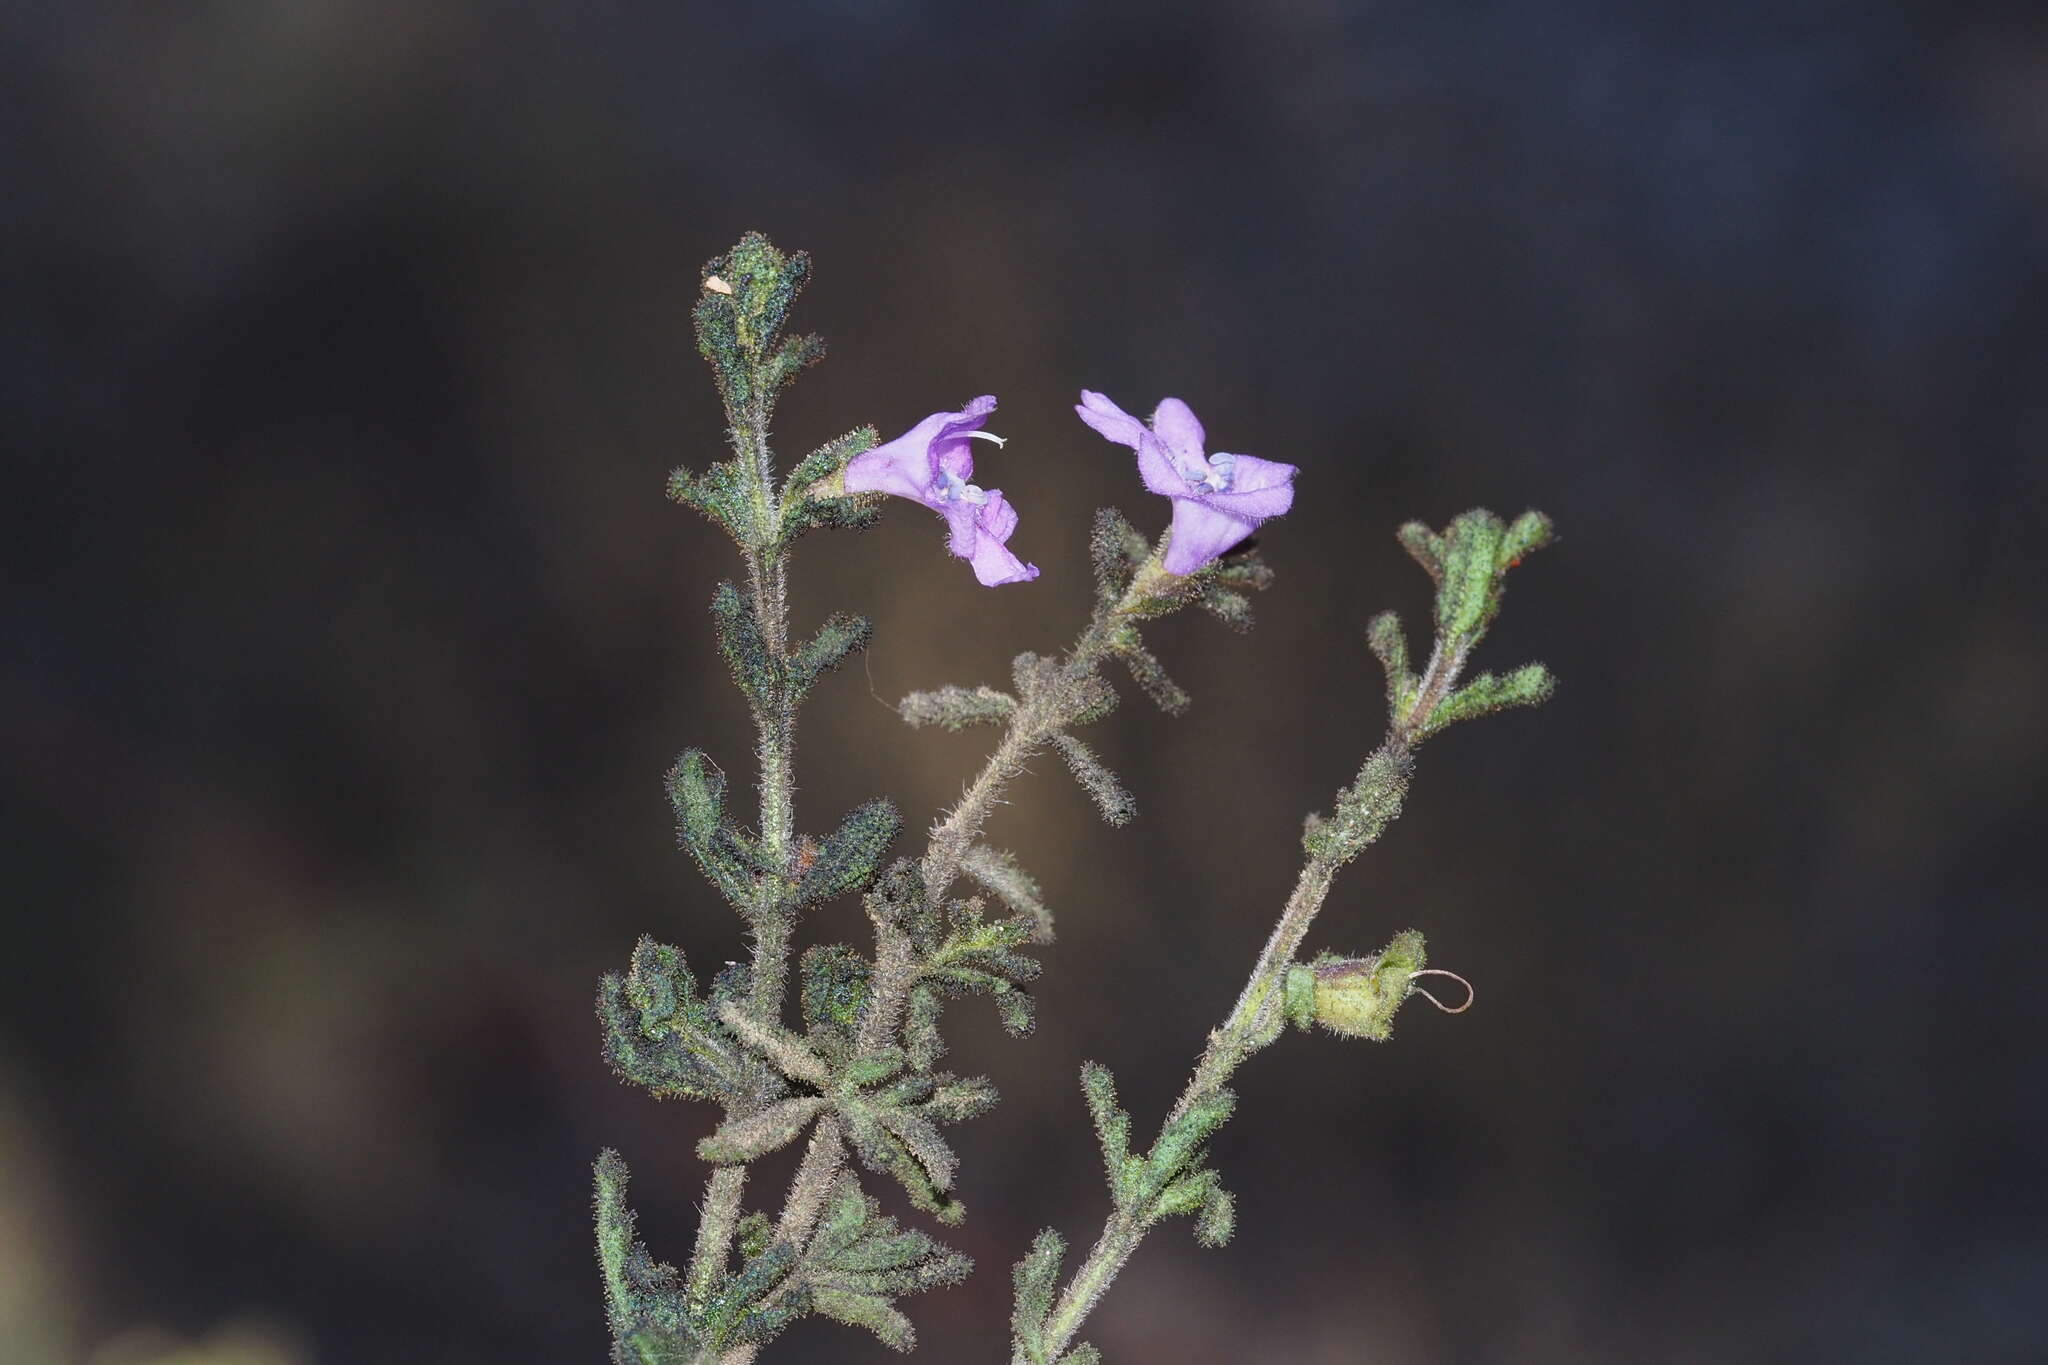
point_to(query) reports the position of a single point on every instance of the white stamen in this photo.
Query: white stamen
(984, 436)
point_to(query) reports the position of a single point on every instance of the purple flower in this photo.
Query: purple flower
(1218, 499)
(930, 463)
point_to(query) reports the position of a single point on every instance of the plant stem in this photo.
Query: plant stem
(1250, 1023)
(774, 719)
(1039, 717)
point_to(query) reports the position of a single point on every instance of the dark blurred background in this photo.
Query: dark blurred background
(347, 635)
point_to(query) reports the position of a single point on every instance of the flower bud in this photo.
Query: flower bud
(1355, 996)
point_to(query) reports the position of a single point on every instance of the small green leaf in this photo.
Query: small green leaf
(1149, 674)
(957, 707)
(747, 1139)
(1217, 1219)
(1116, 804)
(848, 859)
(999, 871)
(1037, 1280)
(842, 634)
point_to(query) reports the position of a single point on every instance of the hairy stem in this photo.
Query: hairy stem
(774, 719)
(1250, 1023)
(1039, 716)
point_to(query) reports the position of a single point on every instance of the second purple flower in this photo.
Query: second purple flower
(932, 463)
(1218, 500)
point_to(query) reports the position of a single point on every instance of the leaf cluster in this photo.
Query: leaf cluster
(655, 1318)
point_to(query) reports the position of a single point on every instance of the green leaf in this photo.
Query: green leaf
(653, 1320)
(1037, 1280)
(957, 707)
(754, 667)
(1217, 1220)
(696, 791)
(999, 871)
(1390, 644)
(1112, 1130)
(1173, 1154)
(1529, 685)
(719, 493)
(858, 1260)
(848, 859)
(1230, 607)
(836, 986)
(659, 1034)
(741, 1140)
(1116, 804)
(841, 635)
(1149, 674)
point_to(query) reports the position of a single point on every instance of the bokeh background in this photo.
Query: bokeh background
(347, 634)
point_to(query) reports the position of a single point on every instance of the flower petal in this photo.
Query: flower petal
(994, 565)
(907, 466)
(1200, 533)
(902, 467)
(962, 527)
(1112, 421)
(1181, 432)
(1258, 488)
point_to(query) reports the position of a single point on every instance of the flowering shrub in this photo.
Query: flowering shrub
(855, 1078)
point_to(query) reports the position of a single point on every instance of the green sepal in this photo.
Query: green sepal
(1084, 1354)
(1357, 997)
(1298, 995)
(858, 1261)
(696, 791)
(847, 860)
(1036, 1278)
(814, 495)
(659, 1034)
(955, 708)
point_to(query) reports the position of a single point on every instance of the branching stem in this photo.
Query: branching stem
(1250, 1023)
